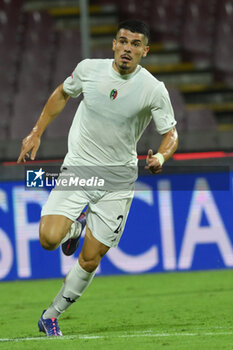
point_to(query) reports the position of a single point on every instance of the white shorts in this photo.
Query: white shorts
(106, 214)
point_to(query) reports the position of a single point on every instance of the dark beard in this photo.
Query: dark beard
(122, 67)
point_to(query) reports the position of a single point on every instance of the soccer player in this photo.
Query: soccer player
(119, 99)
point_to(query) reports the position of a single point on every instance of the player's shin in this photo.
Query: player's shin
(75, 284)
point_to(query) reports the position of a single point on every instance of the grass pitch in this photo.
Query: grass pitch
(159, 311)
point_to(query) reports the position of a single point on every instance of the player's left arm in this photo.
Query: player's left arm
(166, 149)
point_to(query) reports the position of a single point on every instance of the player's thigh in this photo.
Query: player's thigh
(65, 203)
(59, 212)
(106, 220)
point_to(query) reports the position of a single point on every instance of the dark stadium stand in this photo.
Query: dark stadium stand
(200, 119)
(67, 55)
(179, 107)
(191, 51)
(34, 74)
(198, 31)
(166, 19)
(135, 9)
(223, 46)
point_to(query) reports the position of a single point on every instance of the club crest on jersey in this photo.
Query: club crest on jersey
(113, 94)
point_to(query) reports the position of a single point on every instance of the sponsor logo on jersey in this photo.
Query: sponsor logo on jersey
(113, 94)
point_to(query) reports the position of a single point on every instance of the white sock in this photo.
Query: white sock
(74, 231)
(75, 284)
(51, 311)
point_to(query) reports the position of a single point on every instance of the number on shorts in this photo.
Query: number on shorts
(120, 217)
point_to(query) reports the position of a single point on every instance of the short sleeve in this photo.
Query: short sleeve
(73, 84)
(162, 111)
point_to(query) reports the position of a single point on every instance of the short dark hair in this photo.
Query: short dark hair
(135, 26)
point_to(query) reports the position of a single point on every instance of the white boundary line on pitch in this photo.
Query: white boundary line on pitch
(130, 335)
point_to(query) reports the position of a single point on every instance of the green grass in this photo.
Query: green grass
(159, 311)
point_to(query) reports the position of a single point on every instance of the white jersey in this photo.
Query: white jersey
(114, 112)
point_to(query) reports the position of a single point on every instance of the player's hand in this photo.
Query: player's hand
(30, 143)
(153, 164)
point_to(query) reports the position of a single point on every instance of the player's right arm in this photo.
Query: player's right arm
(52, 108)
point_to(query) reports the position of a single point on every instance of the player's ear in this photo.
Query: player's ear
(146, 50)
(113, 44)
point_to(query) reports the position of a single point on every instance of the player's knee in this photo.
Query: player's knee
(88, 265)
(47, 239)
